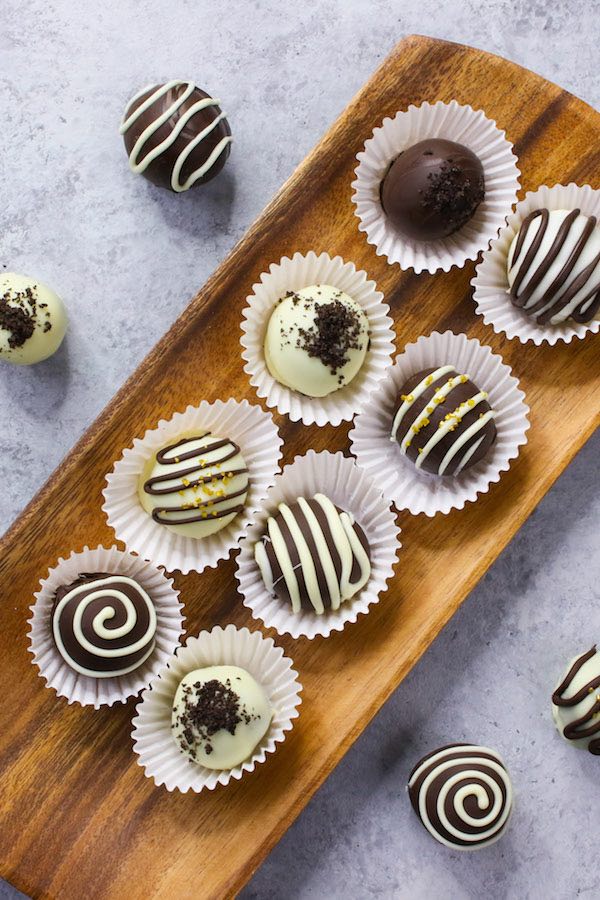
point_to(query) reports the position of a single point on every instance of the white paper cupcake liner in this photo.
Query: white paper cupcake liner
(152, 738)
(99, 692)
(350, 489)
(249, 426)
(397, 476)
(293, 275)
(491, 291)
(452, 122)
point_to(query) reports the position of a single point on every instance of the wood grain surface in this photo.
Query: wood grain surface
(77, 816)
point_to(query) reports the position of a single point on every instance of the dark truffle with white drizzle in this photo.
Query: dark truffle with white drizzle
(443, 422)
(196, 485)
(103, 625)
(313, 555)
(176, 135)
(554, 266)
(576, 702)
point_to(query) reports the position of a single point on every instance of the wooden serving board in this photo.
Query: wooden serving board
(77, 816)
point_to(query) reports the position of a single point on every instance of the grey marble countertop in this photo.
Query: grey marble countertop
(127, 258)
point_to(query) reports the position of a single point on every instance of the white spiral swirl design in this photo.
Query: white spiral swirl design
(83, 633)
(463, 796)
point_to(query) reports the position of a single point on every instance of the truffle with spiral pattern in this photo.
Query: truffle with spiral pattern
(463, 796)
(103, 625)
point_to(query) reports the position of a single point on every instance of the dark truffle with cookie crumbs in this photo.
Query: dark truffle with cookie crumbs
(316, 340)
(220, 714)
(432, 189)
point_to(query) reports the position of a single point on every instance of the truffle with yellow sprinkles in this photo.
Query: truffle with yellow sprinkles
(443, 422)
(195, 486)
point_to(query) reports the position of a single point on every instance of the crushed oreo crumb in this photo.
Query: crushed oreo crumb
(337, 329)
(209, 707)
(18, 316)
(453, 194)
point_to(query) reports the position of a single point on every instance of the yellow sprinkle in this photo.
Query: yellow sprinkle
(429, 409)
(485, 395)
(464, 378)
(177, 459)
(471, 402)
(407, 398)
(429, 380)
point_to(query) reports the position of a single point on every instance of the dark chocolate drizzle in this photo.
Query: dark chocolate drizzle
(561, 291)
(587, 725)
(203, 509)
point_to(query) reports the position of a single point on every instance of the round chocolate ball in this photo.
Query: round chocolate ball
(432, 189)
(33, 320)
(103, 625)
(463, 796)
(220, 715)
(553, 266)
(196, 485)
(576, 702)
(443, 421)
(176, 135)
(313, 555)
(316, 340)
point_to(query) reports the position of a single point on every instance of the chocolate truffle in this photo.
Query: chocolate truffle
(463, 796)
(196, 485)
(554, 266)
(220, 715)
(443, 422)
(176, 135)
(576, 702)
(103, 625)
(316, 340)
(432, 189)
(313, 555)
(33, 320)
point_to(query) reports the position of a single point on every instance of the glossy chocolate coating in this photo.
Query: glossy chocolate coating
(209, 153)
(89, 611)
(444, 399)
(432, 189)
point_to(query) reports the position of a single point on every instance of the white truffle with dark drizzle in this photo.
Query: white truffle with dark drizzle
(576, 702)
(195, 486)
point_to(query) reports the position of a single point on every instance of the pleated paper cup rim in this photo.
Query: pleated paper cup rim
(293, 274)
(350, 489)
(397, 476)
(490, 284)
(452, 122)
(52, 667)
(153, 742)
(249, 426)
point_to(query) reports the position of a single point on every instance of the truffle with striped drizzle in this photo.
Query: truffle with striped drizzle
(196, 485)
(576, 702)
(176, 135)
(103, 625)
(463, 796)
(313, 555)
(554, 266)
(443, 422)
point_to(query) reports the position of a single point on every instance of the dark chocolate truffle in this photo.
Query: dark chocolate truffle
(554, 266)
(443, 422)
(576, 702)
(176, 135)
(432, 189)
(463, 796)
(314, 555)
(103, 625)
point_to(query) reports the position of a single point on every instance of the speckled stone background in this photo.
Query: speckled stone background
(127, 258)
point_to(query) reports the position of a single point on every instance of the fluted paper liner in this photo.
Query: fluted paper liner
(249, 426)
(351, 489)
(397, 476)
(452, 122)
(293, 275)
(261, 657)
(99, 692)
(491, 290)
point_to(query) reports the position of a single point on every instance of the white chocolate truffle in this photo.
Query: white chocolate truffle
(576, 702)
(220, 715)
(316, 340)
(196, 485)
(33, 320)
(553, 266)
